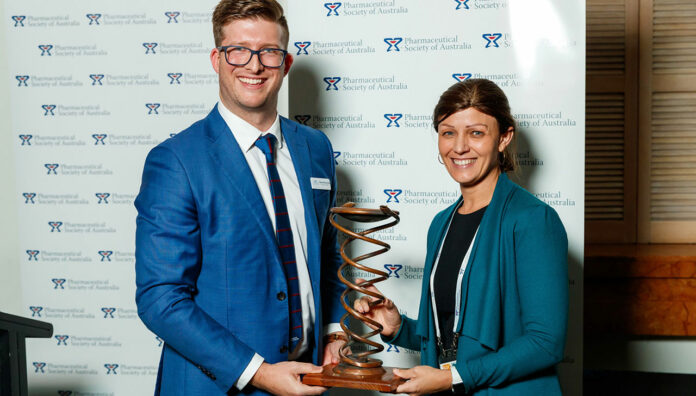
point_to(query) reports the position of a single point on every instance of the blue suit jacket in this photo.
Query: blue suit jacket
(208, 269)
(514, 298)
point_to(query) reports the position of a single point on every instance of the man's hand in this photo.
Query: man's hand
(424, 380)
(331, 349)
(284, 378)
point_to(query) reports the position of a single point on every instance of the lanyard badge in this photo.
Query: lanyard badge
(447, 356)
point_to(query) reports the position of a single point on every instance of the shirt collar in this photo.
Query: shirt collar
(245, 133)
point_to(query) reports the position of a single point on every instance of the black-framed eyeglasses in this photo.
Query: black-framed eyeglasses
(236, 55)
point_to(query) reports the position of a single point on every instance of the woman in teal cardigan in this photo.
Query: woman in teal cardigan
(495, 269)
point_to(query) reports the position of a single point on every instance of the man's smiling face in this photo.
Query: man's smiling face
(252, 88)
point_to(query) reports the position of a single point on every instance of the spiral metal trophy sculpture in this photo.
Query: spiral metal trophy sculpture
(358, 369)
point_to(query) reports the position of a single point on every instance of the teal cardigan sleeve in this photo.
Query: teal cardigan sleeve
(406, 335)
(540, 259)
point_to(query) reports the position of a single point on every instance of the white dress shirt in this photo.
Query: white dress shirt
(246, 134)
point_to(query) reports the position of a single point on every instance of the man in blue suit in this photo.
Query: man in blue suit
(235, 257)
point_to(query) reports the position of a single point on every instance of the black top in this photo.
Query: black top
(459, 236)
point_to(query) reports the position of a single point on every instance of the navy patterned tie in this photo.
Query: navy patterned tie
(284, 237)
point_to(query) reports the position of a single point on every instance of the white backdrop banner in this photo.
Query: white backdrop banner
(369, 73)
(94, 88)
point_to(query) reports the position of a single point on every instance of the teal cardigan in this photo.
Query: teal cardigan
(514, 298)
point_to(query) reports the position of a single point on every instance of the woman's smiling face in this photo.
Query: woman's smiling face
(469, 142)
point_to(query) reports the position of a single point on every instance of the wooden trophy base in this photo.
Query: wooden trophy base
(381, 379)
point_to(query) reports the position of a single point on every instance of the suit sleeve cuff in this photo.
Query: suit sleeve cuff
(332, 328)
(249, 372)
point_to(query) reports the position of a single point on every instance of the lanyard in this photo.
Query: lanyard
(460, 277)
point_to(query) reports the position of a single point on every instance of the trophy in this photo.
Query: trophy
(357, 369)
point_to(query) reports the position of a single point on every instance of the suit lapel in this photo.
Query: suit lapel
(226, 152)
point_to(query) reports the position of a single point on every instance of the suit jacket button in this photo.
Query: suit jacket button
(283, 349)
(280, 296)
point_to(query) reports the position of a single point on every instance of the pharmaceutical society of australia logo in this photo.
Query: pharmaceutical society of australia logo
(407, 120)
(461, 76)
(29, 198)
(22, 80)
(121, 80)
(332, 48)
(47, 81)
(365, 159)
(71, 51)
(62, 339)
(130, 370)
(364, 84)
(35, 311)
(63, 369)
(174, 78)
(171, 48)
(336, 121)
(93, 18)
(18, 20)
(496, 40)
(397, 44)
(127, 20)
(198, 79)
(413, 197)
(33, 254)
(99, 138)
(176, 109)
(55, 256)
(77, 169)
(60, 110)
(88, 285)
(363, 8)
(61, 313)
(172, 16)
(44, 21)
(462, 4)
(52, 140)
(119, 313)
(105, 198)
(187, 17)
(302, 47)
(81, 228)
(400, 271)
(53, 199)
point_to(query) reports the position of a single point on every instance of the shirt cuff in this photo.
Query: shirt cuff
(456, 378)
(332, 328)
(249, 372)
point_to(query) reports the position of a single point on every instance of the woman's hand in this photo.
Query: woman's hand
(424, 380)
(384, 313)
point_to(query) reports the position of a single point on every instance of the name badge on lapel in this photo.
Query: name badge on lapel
(320, 183)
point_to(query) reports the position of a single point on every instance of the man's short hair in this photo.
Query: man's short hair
(231, 10)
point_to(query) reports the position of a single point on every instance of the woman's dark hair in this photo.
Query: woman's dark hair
(486, 97)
